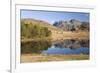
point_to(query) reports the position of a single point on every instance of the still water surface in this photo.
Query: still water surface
(56, 47)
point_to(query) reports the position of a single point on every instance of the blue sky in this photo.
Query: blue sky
(51, 16)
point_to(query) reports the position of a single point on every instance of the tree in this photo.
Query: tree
(34, 31)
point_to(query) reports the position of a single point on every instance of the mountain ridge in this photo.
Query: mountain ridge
(57, 33)
(72, 25)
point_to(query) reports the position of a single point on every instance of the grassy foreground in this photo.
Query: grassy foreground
(46, 58)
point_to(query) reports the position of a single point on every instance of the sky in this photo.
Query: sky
(52, 16)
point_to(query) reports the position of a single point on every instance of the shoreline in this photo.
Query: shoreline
(59, 36)
(47, 58)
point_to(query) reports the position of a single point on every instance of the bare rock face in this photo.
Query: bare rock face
(71, 25)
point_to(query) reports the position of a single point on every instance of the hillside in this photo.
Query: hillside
(32, 29)
(40, 23)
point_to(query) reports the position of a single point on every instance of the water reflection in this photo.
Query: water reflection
(34, 47)
(55, 50)
(56, 47)
(72, 44)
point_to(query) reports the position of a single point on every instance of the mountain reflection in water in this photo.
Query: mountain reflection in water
(56, 47)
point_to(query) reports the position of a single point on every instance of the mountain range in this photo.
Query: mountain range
(72, 25)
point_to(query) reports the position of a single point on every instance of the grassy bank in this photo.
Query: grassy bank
(46, 58)
(70, 35)
(60, 36)
(36, 39)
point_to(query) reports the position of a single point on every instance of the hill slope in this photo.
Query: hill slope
(56, 33)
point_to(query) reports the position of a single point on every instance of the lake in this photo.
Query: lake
(69, 46)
